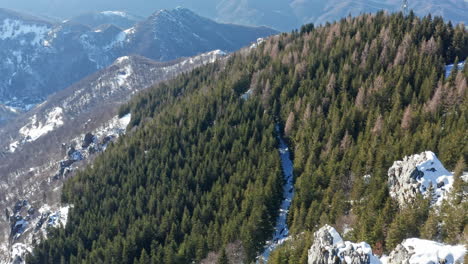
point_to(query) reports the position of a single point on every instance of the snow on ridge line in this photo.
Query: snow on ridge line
(11, 29)
(114, 13)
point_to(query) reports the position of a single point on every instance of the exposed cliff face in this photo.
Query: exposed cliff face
(419, 174)
(329, 248)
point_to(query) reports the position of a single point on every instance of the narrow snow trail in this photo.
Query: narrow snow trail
(281, 228)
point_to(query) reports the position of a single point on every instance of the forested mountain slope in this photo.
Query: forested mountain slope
(41, 149)
(200, 171)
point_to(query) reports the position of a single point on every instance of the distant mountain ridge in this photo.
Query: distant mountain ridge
(118, 18)
(283, 15)
(42, 57)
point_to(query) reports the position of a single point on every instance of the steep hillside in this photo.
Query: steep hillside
(43, 148)
(40, 58)
(200, 173)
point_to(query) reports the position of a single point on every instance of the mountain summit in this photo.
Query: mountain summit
(40, 57)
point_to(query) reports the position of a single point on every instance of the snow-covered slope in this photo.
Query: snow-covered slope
(45, 146)
(420, 251)
(419, 173)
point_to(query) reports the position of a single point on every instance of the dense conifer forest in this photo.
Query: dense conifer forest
(199, 169)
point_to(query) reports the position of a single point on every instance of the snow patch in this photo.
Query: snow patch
(247, 94)
(114, 13)
(449, 68)
(256, 44)
(123, 75)
(426, 251)
(281, 227)
(420, 172)
(11, 29)
(36, 129)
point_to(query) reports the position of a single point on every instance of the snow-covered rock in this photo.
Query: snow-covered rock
(420, 251)
(29, 224)
(417, 174)
(329, 248)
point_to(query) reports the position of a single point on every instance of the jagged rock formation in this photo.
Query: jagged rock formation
(419, 174)
(329, 248)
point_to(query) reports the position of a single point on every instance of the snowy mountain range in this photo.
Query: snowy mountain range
(280, 14)
(41, 57)
(46, 145)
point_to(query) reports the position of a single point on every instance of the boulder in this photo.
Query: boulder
(329, 248)
(418, 174)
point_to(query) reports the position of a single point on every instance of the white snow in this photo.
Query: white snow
(434, 174)
(448, 68)
(342, 248)
(20, 250)
(121, 60)
(281, 228)
(11, 29)
(247, 94)
(124, 121)
(11, 109)
(124, 74)
(13, 146)
(36, 129)
(426, 251)
(119, 39)
(212, 56)
(114, 13)
(256, 44)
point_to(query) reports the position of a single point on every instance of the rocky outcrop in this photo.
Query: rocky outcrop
(420, 251)
(419, 174)
(329, 248)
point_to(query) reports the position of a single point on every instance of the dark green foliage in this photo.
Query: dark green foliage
(199, 168)
(202, 170)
